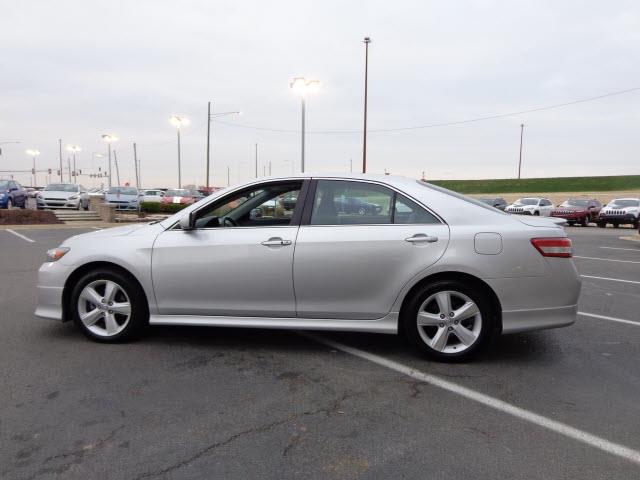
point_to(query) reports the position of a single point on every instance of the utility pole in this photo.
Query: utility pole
(115, 162)
(367, 41)
(69, 168)
(351, 165)
(269, 167)
(208, 140)
(60, 150)
(135, 164)
(256, 160)
(228, 175)
(520, 160)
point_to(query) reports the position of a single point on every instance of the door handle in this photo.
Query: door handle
(421, 238)
(275, 241)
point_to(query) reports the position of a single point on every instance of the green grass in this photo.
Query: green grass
(556, 184)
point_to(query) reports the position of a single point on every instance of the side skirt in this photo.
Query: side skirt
(388, 324)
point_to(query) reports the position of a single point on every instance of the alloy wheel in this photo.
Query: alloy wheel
(104, 308)
(449, 322)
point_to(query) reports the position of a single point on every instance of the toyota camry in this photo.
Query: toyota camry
(446, 271)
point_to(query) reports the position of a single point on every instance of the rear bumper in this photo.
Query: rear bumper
(515, 321)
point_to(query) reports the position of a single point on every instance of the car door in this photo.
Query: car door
(545, 207)
(353, 265)
(234, 262)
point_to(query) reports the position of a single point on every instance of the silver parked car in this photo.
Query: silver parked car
(124, 198)
(445, 270)
(63, 195)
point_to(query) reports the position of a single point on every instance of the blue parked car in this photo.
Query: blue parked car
(12, 194)
(124, 198)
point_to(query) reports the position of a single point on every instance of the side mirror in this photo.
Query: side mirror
(186, 222)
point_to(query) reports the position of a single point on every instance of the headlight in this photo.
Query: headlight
(56, 254)
(73, 197)
(1, 195)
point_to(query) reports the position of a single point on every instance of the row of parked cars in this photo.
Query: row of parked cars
(576, 211)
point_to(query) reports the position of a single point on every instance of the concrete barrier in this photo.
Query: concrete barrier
(107, 212)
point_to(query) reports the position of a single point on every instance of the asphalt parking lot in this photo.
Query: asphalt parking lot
(232, 403)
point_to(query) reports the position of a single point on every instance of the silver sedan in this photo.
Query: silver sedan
(447, 271)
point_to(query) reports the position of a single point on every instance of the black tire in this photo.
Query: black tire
(616, 225)
(362, 211)
(585, 221)
(602, 224)
(409, 326)
(570, 224)
(86, 207)
(139, 318)
(536, 213)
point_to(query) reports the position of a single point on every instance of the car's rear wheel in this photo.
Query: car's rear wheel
(362, 211)
(602, 224)
(448, 320)
(108, 306)
(585, 221)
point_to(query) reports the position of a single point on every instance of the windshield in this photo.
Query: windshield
(61, 187)
(527, 201)
(621, 203)
(575, 202)
(4, 184)
(123, 190)
(177, 193)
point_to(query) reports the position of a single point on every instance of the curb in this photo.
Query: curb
(635, 238)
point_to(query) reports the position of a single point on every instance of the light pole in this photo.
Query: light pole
(178, 121)
(256, 160)
(33, 154)
(367, 41)
(209, 117)
(520, 159)
(74, 149)
(109, 139)
(94, 155)
(302, 87)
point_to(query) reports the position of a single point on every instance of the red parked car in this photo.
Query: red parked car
(179, 195)
(578, 210)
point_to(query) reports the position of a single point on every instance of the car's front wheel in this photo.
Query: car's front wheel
(108, 306)
(448, 320)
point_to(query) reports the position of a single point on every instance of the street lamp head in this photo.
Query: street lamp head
(73, 148)
(179, 120)
(32, 152)
(109, 138)
(367, 39)
(302, 86)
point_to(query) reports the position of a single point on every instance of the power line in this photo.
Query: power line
(435, 125)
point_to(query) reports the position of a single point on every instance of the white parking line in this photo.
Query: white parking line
(610, 279)
(20, 235)
(611, 319)
(619, 248)
(489, 401)
(606, 259)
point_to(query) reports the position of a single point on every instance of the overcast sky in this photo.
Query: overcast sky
(77, 69)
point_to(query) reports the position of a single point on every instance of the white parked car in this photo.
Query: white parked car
(531, 206)
(151, 196)
(63, 195)
(620, 211)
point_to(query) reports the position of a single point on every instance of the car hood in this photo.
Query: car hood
(122, 231)
(540, 221)
(59, 195)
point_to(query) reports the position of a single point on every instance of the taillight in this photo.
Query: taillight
(553, 247)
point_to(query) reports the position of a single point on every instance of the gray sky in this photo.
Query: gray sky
(77, 69)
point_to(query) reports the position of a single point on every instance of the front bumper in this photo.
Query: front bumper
(51, 279)
(67, 204)
(124, 206)
(627, 218)
(570, 216)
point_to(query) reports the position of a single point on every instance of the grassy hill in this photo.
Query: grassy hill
(530, 185)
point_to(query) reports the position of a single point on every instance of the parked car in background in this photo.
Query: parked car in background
(32, 192)
(124, 198)
(531, 206)
(350, 205)
(179, 195)
(496, 202)
(619, 212)
(12, 194)
(449, 272)
(154, 196)
(63, 195)
(578, 210)
(96, 192)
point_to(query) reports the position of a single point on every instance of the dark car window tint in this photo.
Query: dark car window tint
(351, 203)
(408, 211)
